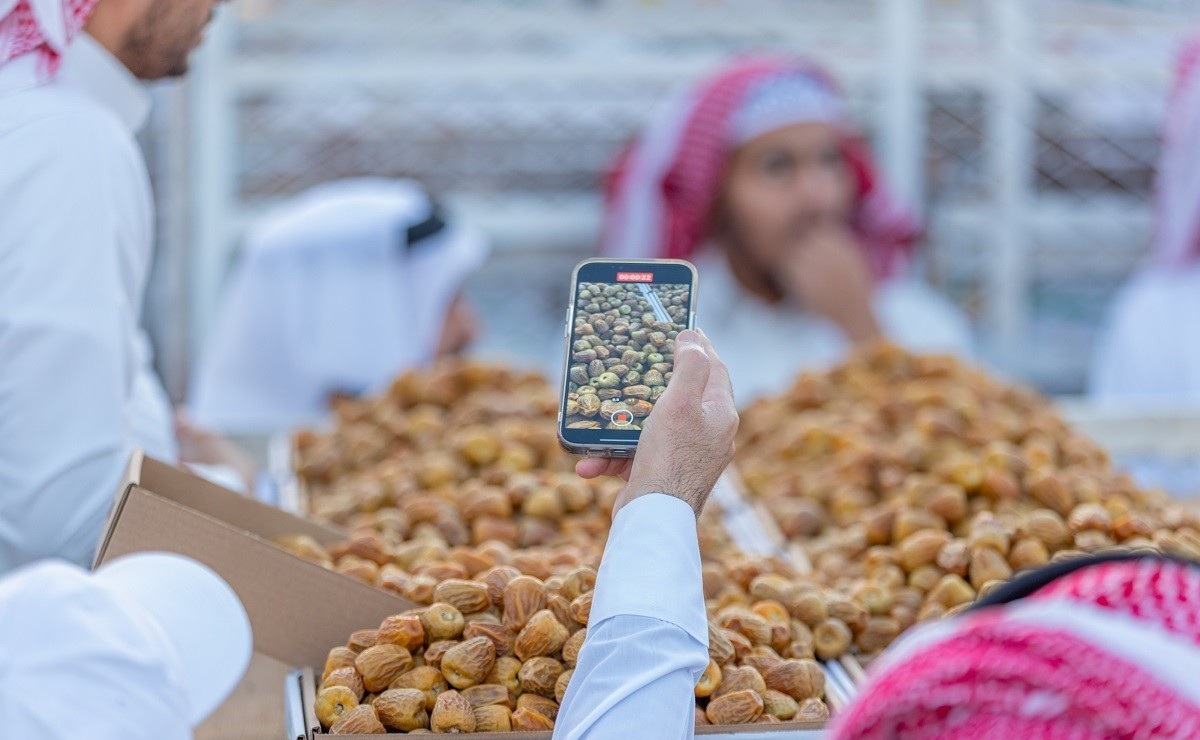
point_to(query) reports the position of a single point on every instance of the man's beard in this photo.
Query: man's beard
(155, 48)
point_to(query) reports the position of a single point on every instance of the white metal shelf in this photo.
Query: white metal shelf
(1137, 429)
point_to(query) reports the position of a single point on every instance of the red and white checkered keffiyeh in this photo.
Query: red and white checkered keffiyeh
(661, 191)
(1177, 231)
(1108, 651)
(42, 27)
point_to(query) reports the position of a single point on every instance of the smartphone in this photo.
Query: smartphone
(621, 327)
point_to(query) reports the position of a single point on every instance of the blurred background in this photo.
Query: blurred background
(1027, 130)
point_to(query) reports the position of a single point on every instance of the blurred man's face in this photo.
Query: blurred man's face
(780, 185)
(460, 329)
(162, 36)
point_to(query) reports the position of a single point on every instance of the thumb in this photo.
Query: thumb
(691, 371)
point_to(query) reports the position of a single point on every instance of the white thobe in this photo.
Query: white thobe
(1148, 358)
(766, 346)
(1149, 351)
(77, 391)
(647, 640)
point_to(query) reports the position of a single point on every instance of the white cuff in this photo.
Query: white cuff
(651, 566)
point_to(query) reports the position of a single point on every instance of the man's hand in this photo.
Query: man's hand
(204, 447)
(827, 274)
(687, 440)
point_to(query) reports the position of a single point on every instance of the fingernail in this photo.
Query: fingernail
(687, 336)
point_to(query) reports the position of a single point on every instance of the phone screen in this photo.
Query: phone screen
(620, 354)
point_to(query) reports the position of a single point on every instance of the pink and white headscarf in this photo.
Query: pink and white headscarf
(661, 191)
(42, 27)
(1177, 238)
(1108, 651)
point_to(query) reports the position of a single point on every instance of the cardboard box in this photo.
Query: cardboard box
(302, 724)
(298, 610)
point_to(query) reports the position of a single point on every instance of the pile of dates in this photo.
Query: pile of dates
(915, 484)
(495, 640)
(465, 451)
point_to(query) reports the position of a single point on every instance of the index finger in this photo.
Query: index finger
(690, 375)
(719, 383)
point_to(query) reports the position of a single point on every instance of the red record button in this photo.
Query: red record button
(622, 417)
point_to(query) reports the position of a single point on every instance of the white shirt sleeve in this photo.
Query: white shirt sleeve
(647, 640)
(920, 319)
(65, 309)
(1146, 352)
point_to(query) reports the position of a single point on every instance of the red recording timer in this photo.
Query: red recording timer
(635, 277)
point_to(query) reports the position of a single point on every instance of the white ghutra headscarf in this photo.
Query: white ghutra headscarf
(329, 297)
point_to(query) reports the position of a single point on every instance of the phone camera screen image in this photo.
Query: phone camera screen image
(622, 344)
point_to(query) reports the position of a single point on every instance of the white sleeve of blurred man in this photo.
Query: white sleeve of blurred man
(1149, 351)
(920, 319)
(647, 639)
(143, 649)
(328, 296)
(1149, 348)
(77, 392)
